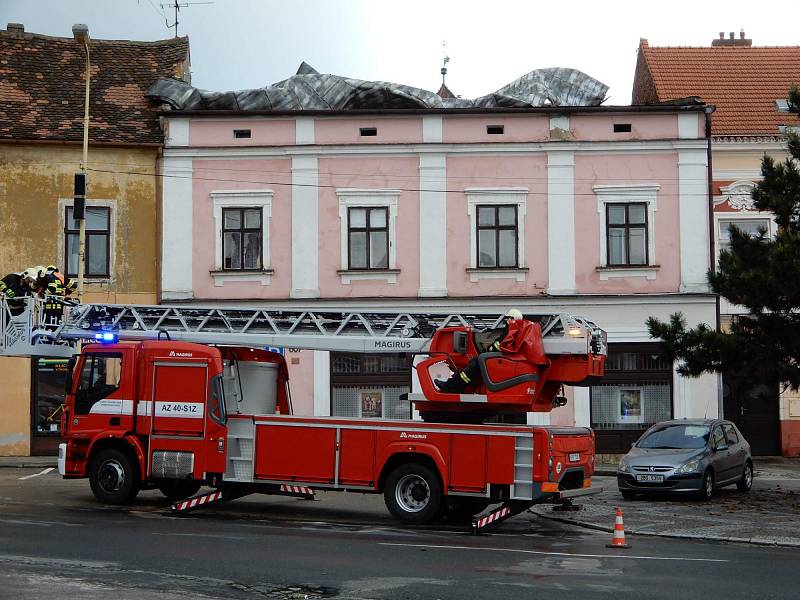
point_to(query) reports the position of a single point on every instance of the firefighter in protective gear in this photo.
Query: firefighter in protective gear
(14, 287)
(51, 287)
(502, 340)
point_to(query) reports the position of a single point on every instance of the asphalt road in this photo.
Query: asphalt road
(56, 542)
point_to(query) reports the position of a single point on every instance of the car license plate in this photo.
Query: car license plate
(650, 478)
(574, 457)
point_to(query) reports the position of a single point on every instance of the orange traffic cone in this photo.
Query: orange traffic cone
(618, 541)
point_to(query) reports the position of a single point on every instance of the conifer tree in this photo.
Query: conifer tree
(760, 274)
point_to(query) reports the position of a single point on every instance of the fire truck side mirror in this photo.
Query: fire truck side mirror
(460, 342)
(70, 369)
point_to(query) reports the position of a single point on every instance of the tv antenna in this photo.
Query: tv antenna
(178, 6)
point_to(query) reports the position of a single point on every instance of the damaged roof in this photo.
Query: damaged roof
(42, 85)
(310, 90)
(742, 81)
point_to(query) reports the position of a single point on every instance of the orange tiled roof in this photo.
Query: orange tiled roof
(42, 87)
(743, 82)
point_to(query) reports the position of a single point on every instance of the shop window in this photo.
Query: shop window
(635, 393)
(370, 386)
(49, 379)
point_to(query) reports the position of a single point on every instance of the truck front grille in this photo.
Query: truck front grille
(168, 464)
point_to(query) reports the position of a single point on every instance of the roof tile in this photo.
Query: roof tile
(48, 73)
(742, 82)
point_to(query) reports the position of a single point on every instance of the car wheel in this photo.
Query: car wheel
(413, 494)
(179, 489)
(628, 495)
(746, 482)
(708, 486)
(113, 477)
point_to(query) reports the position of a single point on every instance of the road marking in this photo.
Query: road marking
(206, 535)
(42, 472)
(556, 553)
(38, 523)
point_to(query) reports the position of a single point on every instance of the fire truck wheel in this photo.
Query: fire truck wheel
(413, 494)
(179, 489)
(113, 477)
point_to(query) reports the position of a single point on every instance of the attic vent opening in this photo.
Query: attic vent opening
(241, 133)
(495, 129)
(622, 127)
(368, 131)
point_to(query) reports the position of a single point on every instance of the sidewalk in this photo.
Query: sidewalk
(769, 514)
(28, 462)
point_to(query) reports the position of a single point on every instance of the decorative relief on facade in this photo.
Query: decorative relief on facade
(739, 195)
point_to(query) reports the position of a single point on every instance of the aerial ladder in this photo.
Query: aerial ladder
(574, 346)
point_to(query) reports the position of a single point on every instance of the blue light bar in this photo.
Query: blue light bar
(106, 337)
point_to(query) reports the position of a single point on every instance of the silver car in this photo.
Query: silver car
(688, 456)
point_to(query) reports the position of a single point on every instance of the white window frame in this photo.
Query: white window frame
(63, 203)
(517, 196)
(646, 193)
(242, 199)
(368, 198)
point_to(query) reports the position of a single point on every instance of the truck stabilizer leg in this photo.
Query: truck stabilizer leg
(498, 515)
(298, 491)
(196, 502)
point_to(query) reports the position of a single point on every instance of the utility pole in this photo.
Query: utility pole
(81, 34)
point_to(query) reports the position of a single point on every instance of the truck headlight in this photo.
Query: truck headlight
(624, 465)
(691, 466)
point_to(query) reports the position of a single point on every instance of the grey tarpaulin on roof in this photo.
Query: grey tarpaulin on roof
(310, 90)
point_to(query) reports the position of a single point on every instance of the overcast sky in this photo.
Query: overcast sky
(238, 44)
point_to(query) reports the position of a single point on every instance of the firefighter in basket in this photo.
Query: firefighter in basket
(503, 339)
(53, 287)
(15, 287)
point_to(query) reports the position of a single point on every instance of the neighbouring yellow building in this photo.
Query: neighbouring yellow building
(41, 134)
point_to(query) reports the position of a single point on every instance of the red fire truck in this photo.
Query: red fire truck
(175, 414)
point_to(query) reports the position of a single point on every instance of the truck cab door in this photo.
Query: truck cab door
(103, 398)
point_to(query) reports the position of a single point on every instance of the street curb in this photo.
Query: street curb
(27, 465)
(688, 536)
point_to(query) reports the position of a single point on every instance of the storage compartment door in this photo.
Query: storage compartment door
(357, 457)
(468, 463)
(305, 454)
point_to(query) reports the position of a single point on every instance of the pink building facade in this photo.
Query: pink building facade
(600, 211)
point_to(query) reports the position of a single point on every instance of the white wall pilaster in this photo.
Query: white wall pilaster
(432, 225)
(322, 383)
(693, 211)
(304, 130)
(582, 406)
(305, 228)
(176, 238)
(432, 129)
(561, 222)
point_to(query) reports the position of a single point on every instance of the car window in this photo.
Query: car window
(678, 435)
(717, 439)
(730, 434)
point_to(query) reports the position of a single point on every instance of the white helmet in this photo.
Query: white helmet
(513, 313)
(31, 273)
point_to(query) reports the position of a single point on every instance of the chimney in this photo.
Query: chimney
(731, 40)
(16, 29)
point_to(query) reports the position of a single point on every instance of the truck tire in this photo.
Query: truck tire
(413, 494)
(178, 489)
(113, 477)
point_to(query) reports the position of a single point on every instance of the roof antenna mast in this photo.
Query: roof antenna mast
(178, 6)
